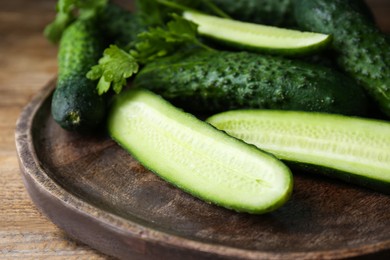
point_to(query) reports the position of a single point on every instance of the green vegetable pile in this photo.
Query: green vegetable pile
(326, 57)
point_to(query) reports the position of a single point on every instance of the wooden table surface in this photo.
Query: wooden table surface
(27, 63)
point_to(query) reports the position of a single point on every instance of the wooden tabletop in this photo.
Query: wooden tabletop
(27, 63)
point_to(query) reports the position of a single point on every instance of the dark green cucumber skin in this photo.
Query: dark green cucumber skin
(210, 82)
(363, 51)
(76, 104)
(362, 181)
(119, 25)
(270, 12)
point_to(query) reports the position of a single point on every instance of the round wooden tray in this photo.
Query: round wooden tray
(100, 195)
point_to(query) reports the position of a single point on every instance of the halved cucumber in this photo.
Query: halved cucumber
(196, 157)
(251, 36)
(357, 149)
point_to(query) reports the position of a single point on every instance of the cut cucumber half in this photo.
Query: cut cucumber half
(196, 157)
(256, 37)
(355, 149)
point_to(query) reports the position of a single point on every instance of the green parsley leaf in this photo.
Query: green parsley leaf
(64, 16)
(159, 41)
(113, 69)
(156, 12)
(66, 13)
(90, 8)
(117, 65)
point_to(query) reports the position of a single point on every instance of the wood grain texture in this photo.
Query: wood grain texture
(27, 63)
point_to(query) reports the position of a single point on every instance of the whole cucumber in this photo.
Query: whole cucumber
(76, 104)
(363, 51)
(119, 25)
(271, 12)
(207, 81)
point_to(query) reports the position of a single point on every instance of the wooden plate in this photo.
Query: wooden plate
(100, 195)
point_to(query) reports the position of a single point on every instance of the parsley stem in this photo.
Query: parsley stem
(204, 46)
(176, 6)
(215, 9)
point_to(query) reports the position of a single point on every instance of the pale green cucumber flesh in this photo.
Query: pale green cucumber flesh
(196, 157)
(251, 36)
(355, 146)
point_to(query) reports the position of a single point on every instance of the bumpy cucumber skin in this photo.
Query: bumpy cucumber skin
(76, 104)
(271, 12)
(364, 52)
(211, 82)
(120, 25)
(359, 180)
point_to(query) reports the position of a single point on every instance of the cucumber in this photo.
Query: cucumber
(352, 149)
(119, 25)
(76, 104)
(363, 51)
(271, 12)
(196, 157)
(209, 82)
(256, 37)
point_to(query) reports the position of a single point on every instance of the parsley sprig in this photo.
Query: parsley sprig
(69, 10)
(113, 69)
(117, 65)
(161, 41)
(155, 12)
